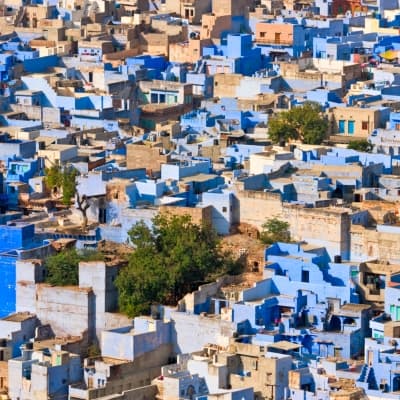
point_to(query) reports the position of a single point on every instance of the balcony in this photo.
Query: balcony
(273, 42)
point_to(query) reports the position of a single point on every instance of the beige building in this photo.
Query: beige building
(213, 25)
(146, 156)
(245, 88)
(381, 242)
(164, 92)
(357, 122)
(231, 7)
(163, 33)
(268, 369)
(33, 14)
(332, 72)
(192, 10)
(51, 47)
(188, 51)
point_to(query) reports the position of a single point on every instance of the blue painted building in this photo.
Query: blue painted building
(22, 170)
(18, 241)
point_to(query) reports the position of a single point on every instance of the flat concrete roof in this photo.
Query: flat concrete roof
(284, 345)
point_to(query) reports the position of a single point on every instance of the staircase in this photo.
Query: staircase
(368, 376)
(200, 67)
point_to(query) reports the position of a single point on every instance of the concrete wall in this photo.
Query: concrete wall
(326, 227)
(54, 303)
(191, 332)
(50, 115)
(256, 206)
(127, 344)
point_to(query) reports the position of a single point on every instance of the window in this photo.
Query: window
(262, 34)
(224, 209)
(305, 276)
(364, 125)
(341, 126)
(397, 126)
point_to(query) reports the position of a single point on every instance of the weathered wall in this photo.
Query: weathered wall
(45, 114)
(367, 244)
(139, 156)
(54, 303)
(328, 227)
(198, 214)
(256, 206)
(191, 332)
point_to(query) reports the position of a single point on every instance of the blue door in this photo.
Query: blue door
(350, 127)
(341, 126)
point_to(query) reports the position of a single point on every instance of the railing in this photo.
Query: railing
(274, 42)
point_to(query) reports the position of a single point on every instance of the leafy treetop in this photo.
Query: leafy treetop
(170, 259)
(62, 179)
(275, 230)
(305, 123)
(62, 269)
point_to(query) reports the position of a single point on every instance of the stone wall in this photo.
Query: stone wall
(369, 244)
(328, 227)
(198, 214)
(256, 206)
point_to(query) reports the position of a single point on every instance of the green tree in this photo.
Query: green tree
(275, 230)
(62, 268)
(305, 123)
(170, 259)
(63, 180)
(360, 145)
